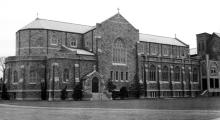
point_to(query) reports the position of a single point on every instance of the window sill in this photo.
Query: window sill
(14, 83)
(164, 82)
(52, 44)
(195, 82)
(65, 82)
(32, 83)
(176, 82)
(119, 64)
(152, 82)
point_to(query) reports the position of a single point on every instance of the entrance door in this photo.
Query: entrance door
(95, 85)
(204, 84)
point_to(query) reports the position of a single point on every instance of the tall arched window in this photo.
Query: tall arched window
(195, 75)
(33, 74)
(15, 76)
(152, 73)
(65, 75)
(187, 78)
(165, 73)
(119, 52)
(177, 74)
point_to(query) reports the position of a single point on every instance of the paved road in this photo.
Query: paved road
(12, 112)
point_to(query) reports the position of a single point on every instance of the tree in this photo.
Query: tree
(2, 66)
(110, 86)
(123, 93)
(64, 93)
(135, 87)
(78, 93)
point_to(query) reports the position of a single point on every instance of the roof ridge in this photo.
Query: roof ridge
(64, 22)
(156, 35)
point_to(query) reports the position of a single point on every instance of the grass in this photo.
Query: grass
(143, 109)
(212, 103)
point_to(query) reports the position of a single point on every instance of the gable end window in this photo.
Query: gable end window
(119, 52)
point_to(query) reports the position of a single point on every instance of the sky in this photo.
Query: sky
(185, 18)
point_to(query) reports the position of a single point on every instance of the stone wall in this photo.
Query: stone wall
(38, 42)
(110, 30)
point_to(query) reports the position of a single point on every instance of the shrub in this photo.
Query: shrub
(5, 95)
(77, 93)
(64, 93)
(110, 86)
(123, 93)
(43, 91)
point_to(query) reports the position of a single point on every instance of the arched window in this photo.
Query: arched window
(53, 38)
(165, 73)
(187, 75)
(33, 74)
(65, 75)
(195, 75)
(213, 69)
(15, 76)
(119, 52)
(152, 73)
(177, 74)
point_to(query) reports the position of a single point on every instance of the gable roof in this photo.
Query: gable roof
(218, 34)
(117, 16)
(160, 39)
(56, 25)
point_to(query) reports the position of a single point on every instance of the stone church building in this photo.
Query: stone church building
(53, 55)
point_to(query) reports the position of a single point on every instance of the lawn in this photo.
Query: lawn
(212, 103)
(144, 109)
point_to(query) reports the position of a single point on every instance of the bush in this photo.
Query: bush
(123, 93)
(78, 93)
(64, 93)
(115, 94)
(5, 95)
(110, 86)
(43, 91)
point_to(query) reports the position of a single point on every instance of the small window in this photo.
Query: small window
(195, 75)
(15, 76)
(165, 51)
(165, 73)
(54, 40)
(122, 75)
(154, 49)
(152, 73)
(65, 75)
(177, 74)
(126, 77)
(33, 74)
(111, 75)
(212, 83)
(73, 43)
(116, 75)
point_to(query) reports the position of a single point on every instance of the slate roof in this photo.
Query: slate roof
(160, 39)
(56, 25)
(78, 51)
(193, 51)
(218, 34)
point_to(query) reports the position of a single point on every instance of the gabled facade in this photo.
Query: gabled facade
(52, 56)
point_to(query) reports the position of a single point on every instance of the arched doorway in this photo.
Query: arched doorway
(95, 85)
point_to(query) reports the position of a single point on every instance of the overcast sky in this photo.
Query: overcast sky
(185, 18)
